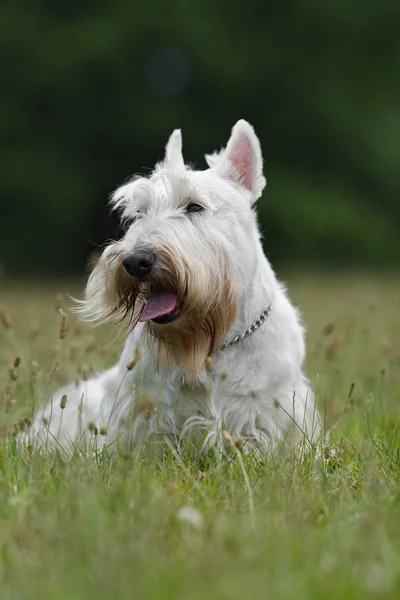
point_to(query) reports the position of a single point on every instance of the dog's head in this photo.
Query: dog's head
(188, 251)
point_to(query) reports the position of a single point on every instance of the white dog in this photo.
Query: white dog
(214, 344)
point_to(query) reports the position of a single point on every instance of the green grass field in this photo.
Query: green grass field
(178, 528)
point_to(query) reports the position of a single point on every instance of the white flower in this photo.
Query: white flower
(191, 516)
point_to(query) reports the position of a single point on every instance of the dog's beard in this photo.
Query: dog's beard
(185, 343)
(204, 310)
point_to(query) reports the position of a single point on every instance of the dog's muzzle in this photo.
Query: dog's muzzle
(161, 304)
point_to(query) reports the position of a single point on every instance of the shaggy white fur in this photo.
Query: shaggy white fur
(210, 260)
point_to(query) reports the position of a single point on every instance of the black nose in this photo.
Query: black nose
(139, 264)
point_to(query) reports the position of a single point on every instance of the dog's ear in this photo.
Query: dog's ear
(241, 160)
(173, 151)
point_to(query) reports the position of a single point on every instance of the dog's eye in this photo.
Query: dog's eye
(194, 208)
(136, 217)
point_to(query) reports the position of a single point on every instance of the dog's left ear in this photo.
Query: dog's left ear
(242, 159)
(173, 151)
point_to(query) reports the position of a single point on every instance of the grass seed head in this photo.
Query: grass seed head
(73, 350)
(24, 423)
(239, 443)
(132, 363)
(208, 363)
(6, 392)
(56, 367)
(150, 411)
(63, 325)
(227, 436)
(351, 390)
(59, 301)
(63, 401)
(84, 371)
(6, 319)
(13, 372)
(327, 330)
(34, 367)
(90, 345)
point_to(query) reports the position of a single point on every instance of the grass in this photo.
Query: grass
(176, 528)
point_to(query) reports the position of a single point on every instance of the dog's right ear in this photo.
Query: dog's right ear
(241, 161)
(173, 151)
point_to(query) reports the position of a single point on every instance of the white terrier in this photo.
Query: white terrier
(213, 342)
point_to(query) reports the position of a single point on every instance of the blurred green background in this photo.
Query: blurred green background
(90, 91)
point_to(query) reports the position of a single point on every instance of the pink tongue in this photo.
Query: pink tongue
(159, 304)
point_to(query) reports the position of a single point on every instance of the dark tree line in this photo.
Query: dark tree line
(90, 91)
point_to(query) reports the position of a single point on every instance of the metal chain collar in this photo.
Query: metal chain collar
(257, 323)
